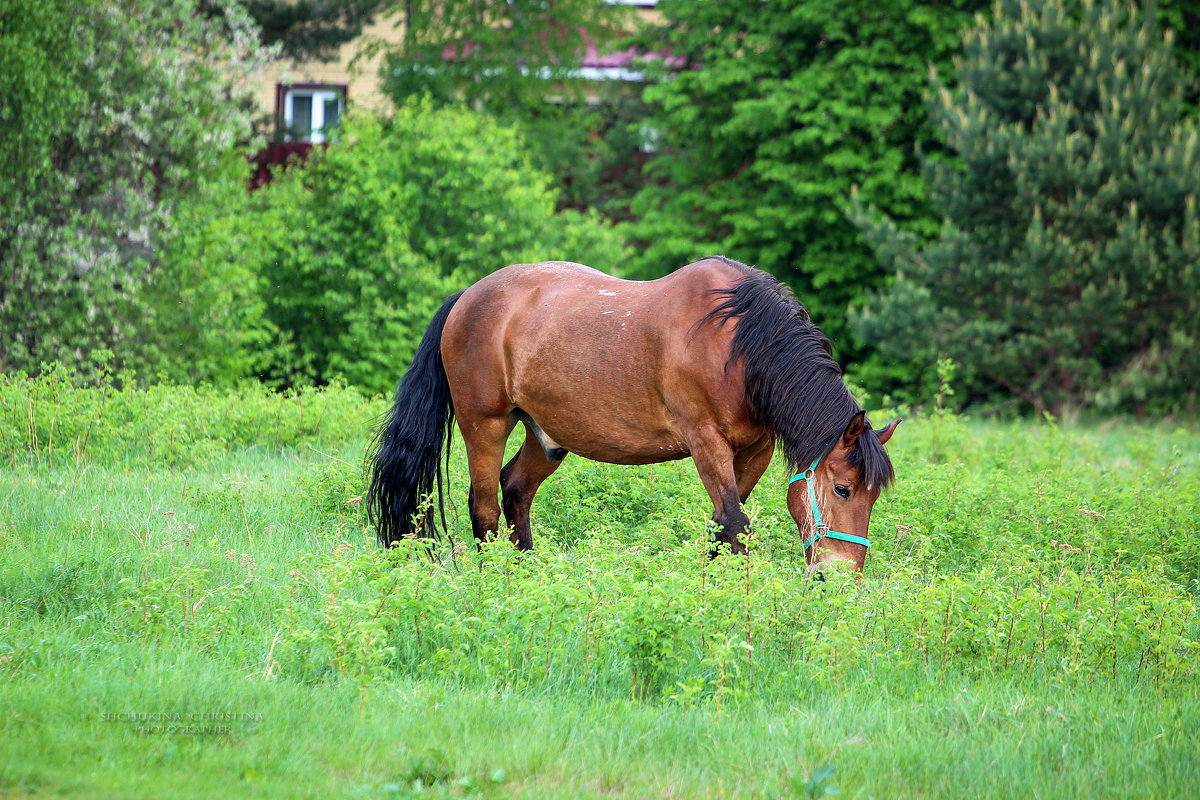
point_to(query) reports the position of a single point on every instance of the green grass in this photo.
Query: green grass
(213, 619)
(966, 739)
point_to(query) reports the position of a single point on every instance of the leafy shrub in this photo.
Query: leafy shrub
(330, 272)
(188, 602)
(51, 419)
(205, 316)
(335, 490)
(1004, 551)
(359, 248)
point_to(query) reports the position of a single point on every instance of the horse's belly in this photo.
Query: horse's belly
(604, 434)
(641, 452)
(629, 452)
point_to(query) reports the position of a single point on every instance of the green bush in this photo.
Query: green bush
(1003, 550)
(332, 271)
(680, 626)
(358, 249)
(205, 313)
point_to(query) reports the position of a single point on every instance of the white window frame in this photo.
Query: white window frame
(319, 95)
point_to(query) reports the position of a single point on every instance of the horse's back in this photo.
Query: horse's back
(579, 289)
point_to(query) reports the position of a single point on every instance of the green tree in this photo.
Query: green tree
(498, 55)
(357, 250)
(519, 60)
(783, 108)
(1183, 17)
(1068, 268)
(111, 113)
(305, 30)
(202, 307)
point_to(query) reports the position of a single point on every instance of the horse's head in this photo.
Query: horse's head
(831, 501)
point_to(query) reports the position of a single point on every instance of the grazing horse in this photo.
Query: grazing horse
(717, 361)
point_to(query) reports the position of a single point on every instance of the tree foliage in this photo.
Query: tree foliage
(203, 314)
(500, 55)
(306, 29)
(111, 113)
(1183, 18)
(1068, 268)
(784, 107)
(519, 60)
(128, 227)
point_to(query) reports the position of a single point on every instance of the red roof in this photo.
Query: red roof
(592, 57)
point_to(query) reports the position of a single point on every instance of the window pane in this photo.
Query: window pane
(333, 109)
(302, 113)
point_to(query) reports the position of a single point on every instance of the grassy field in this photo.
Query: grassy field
(191, 605)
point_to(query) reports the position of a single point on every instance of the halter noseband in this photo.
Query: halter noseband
(822, 530)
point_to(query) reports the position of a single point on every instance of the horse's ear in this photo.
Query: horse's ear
(887, 432)
(858, 423)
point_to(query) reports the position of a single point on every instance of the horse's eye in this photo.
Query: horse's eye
(843, 491)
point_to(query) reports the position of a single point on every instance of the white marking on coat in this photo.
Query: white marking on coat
(607, 293)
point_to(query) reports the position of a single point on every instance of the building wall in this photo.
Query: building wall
(360, 74)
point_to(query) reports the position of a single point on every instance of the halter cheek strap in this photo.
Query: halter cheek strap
(822, 530)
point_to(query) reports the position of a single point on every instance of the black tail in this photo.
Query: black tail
(406, 466)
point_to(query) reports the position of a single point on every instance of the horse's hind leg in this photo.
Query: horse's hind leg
(484, 439)
(519, 481)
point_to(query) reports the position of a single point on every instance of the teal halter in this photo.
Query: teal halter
(822, 530)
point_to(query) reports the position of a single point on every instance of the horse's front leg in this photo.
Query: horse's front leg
(714, 458)
(750, 464)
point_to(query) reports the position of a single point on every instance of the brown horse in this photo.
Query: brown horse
(717, 361)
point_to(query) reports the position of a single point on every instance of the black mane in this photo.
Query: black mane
(793, 385)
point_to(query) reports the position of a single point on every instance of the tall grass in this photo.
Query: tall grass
(1027, 621)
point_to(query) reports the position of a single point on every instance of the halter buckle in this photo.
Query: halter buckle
(820, 531)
